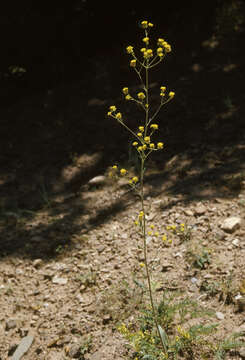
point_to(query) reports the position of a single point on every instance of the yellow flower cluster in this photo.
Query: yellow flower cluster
(148, 54)
(185, 334)
(130, 50)
(145, 24)
(164, 45)
(134, 180)
(112, 112)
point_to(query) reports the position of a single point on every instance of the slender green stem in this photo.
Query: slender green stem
(144, 218)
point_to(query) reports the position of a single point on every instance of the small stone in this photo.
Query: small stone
(220, 235)
(200, 210)
(37, 263)
(188, 212)
(100, 249)
(23, 347)
(219, 315)
(194, 280)
(231, 224)
(241, 352)
(59, 280)
(240, 329)
(10, 324)
(241, 304)
(75, 351)
(97, 180)
(106, 319)
(236, 242)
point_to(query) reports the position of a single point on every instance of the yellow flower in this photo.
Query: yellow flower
(144, 24)
(128, 97)
(123, 171)
(141, 128)
(152, 146)
(141, 95)
(160, 145)
(140, 148)
(144, 147)
(113, 108)
(146, 40)
(135, 179)
(156, 234)
(135, 143)
(163, 88)
(182, 224)
(147, 139)
(141, 214)
(171, 94)
(130, 50)
(160, 42)
(149, 53)
(152, 226)
(118, 116)
(133, 63)
(114, 167)
(143, 50)
(125, 91)
(150, 24)
(159, 51)
(154, 126)
(164, 238)
(141, 264)
(167, 48)
(149, 233)
(109, 113)
(139, 134)
(136, 222)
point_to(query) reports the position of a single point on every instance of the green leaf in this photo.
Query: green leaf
(139, 283)
(163, 337)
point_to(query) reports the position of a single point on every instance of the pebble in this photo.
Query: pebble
(231, 224)
(59, 280)
(75, 351)
(97, 180)
(241, 352)
(236, 242)
(23, 347)
(219, 315)
(10, 324)
(37, 263)
(200, 209)
(188, 212)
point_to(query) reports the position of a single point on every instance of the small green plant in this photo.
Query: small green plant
(182, 231)
(198, 256)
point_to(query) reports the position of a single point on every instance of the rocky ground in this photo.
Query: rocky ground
(71, 303)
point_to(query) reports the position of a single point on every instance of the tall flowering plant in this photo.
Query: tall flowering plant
(143, 136)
